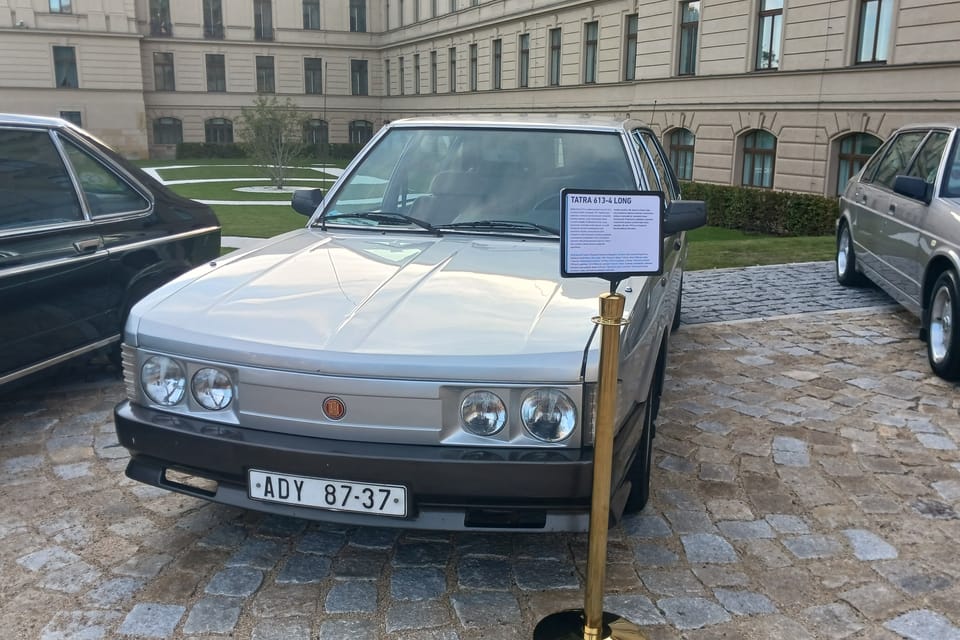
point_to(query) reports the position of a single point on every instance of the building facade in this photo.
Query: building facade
(783, 94)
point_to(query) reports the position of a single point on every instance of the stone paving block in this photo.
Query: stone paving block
(413, 554)
(286, 629)
(686, 521)
(730, 510)
(912, 579)
(213, 614)
(374, 537)
(259, 553)
(152, 620)
(708, 548)
(280, 526)
(812, 546)
(711, 472)
(479, 544)
(403, 616)
(875, 601)
(285, 600)
(692, 613)
(636, 608)
(235, 581)
(675, 582)
(113, 592)
(937, 443)
(476, 609)
(653, 555)
(537, 575)
(869, 546)
(746, 530)
(833, 621)
(417, 583)
(352, 596)
(720, 576)
(646, 526)
(363, 564)
(924, 624)
(79, 625)
(324, 543)
(364, 629)
(949, 490)
(744, 603)
(304, 568)
(541, 547)
(677, 465)
(484, 573)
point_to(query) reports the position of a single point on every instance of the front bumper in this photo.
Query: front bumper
(449, 488)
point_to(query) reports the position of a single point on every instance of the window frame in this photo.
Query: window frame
(266, 74)
(164, 72)
(164, 123)
(682, 154)
(753, 153)
(358, 127)
(591, 46)
(313, 76)
(688, 41)
(496, 61)
(402, 73)
(474, 66)
(263, 20)
(161, 24)
(71, 74)
(433, 71)
(359, 77)
(358, 16)
(215, 125)
(416, 74)
(631, 41)
(212, 19)
(555, 51)
(452, 69)
(772, 45)
(61, 6)
(853, 161)
(523, 57)
(221, 69)
(881, 32)
(311, 15)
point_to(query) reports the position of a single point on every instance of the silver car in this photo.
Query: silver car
(412, 356)
(899, 226)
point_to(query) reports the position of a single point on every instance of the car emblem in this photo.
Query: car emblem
(334, 408)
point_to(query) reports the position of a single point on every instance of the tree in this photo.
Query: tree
(271, 131)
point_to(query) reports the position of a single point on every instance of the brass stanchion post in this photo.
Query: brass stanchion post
(592, 623)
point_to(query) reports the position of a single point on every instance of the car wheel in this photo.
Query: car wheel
(639, 472)
(847, 273)
(943, 327)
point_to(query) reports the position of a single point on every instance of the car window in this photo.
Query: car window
(105, 191)
(951, 180)
(667, 182)
(646, 165)
(35, 188)
(452, 175)
(897, 157)
(927, 162)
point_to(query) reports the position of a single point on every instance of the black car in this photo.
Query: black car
(83, 235)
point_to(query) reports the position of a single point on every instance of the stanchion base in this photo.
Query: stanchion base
(568, 625)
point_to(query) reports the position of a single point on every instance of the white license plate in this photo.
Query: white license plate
(325, 493)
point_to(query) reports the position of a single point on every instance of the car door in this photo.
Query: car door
(872, 199)
(905, 257)
(52, 261)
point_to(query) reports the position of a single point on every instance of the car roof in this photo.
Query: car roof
(928, 125)
(584, 122)
(30, 120)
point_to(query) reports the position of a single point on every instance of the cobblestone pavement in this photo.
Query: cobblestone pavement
(806, 486)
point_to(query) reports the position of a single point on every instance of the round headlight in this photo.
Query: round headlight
(212, 389)
(548, 415)
(163, 380)
(483, 413)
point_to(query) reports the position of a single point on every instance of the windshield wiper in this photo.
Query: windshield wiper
(506, 225)
(380, 216)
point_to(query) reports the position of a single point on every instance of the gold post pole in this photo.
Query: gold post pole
(592, 623)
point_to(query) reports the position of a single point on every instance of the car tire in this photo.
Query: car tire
(846, 261)
(639, 473)
(943, 326)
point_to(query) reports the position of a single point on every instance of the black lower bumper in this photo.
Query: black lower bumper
(452, 488)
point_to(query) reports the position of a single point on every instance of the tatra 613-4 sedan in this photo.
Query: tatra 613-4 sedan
(412, 356)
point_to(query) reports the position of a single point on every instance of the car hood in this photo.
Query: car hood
(406, 305)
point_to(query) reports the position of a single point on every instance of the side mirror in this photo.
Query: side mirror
(684, 215)
(306, 201)
(913, 187)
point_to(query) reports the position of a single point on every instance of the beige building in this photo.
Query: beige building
(785, 94)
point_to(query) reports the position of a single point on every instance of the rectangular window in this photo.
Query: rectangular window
(311, 14)
(434, 9)
(433, 72)
(400, 2)
(62, 6)
(452, 69)
(591, 32)
(473, 67)
(160, 24)
(358, 16)
(554, 57)
(416, 10)
(212, 19)
(387, 15)
(630, 49)
(263, 20)
(497, 61)
(689, 25)
(770, 29)
(358, 77)
(265, 83)
(453, 5)
(216, 72)
(386, 73)
(873, 44)
(416, 73)
(403, 80)
(523, 76)
(65, 67)
(72, 116)
(163, 77)
(313, 75)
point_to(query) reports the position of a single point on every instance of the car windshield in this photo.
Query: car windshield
(477, 180)
(951, 183)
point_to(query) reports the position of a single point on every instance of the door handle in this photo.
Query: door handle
(10, 257)
(893, 209)
(87, 246)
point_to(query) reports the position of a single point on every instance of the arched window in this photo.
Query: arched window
(316, 132)
(167, 131)
(361, 131)
(853, 151)
(218, 131)
(681, 142)
(759, 153)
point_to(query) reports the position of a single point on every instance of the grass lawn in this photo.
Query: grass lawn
(710, 247)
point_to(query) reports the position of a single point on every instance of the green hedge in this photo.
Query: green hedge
(340, 151)
(194, 150)
(778, 213)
